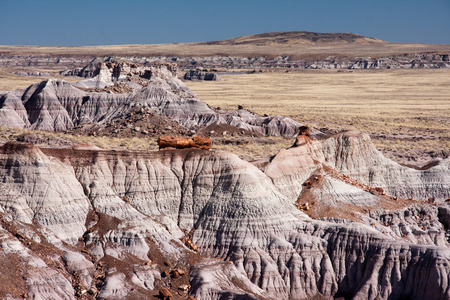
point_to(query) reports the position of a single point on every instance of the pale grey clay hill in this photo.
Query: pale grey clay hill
(327, 218)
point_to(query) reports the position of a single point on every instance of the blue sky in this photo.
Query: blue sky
(100, 22)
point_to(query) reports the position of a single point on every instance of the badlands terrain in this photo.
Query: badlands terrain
(320, 184)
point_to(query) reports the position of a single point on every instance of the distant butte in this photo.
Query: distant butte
(297, 37)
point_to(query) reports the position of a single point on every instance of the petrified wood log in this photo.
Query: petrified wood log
(165, 294)
(182, 142)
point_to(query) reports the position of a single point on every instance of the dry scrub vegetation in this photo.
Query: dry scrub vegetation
(401, 109)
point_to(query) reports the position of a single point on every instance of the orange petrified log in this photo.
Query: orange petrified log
(182, 142)
(304, 130)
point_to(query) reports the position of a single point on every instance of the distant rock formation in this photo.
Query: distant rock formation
(84, 66)
(116, 224)
(32, 73)
(56, 105)
(200, 75)
(103, 74)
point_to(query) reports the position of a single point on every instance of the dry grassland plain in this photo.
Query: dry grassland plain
(9, 81)
(401, 109)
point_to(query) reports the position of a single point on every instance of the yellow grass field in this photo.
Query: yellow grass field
(403, 103)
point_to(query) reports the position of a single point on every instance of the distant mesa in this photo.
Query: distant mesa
(296, 37)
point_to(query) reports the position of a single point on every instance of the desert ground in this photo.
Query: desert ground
(10, 81)
(406, 112)
(403, 110)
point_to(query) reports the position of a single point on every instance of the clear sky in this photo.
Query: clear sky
(101, 22)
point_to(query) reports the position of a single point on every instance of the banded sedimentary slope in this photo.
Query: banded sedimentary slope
(87, 223)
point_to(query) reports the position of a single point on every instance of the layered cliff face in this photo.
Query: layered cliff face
(95, 223)
(56, 105)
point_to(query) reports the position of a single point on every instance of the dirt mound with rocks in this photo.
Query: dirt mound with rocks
(139, 122)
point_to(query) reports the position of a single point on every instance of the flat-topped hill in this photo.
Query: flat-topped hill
(296, 38)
